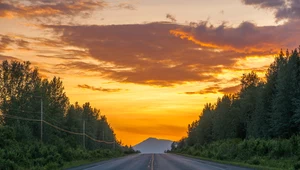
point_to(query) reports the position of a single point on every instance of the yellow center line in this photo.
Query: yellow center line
(152, 161)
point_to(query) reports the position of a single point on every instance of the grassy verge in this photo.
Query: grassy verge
(82, 162)
(241, 164)
(74, 164)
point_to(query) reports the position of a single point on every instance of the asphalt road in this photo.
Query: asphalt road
(157, 162)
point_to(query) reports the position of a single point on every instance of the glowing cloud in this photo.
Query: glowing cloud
(85, 86)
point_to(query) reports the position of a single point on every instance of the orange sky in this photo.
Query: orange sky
(150, 66)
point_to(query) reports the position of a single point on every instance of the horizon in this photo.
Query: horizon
(148, 66)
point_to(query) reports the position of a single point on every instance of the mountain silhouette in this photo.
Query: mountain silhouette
(153, 145)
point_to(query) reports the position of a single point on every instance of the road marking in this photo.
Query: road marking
(152, 161)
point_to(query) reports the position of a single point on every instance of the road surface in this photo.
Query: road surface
(157, 162)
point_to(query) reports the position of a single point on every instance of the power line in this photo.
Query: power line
(61, 129)
(76, 133)
(100, 141)
(56, 127)
(19, 110)
(19, 118)
(48, 117)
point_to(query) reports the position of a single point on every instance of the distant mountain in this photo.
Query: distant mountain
(153, 145)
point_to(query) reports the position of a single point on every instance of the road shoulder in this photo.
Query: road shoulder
(93, 163)
(229, 163)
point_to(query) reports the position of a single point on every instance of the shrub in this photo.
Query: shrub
(272, 152)
(7, 164)
(7, 136)
(52, 166)
(297, 166)
(254, 161)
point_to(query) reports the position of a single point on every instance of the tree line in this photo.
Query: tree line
(24, 94)
(265, 108)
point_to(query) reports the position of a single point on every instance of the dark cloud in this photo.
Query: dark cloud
(90, 68)
(48, 42)
(166, 54)
(215, 89)
(265, 3)
(47, 48)
(53, 10)
(246, 38)
(4, 57)
(126, 6)
(63, 56)
(230, 90)
(85, 86)
(66, 54)
(211, 89)
(7, 41)
(171, 17)
(145, 53)
(284, 9)
(22, 44)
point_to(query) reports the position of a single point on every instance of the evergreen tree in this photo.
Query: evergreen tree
(221, 119)
(283, 107)
(248, 97)
(205, 125)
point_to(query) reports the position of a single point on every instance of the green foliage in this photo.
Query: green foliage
(272, 153)
(264, 117)
(7, 136)
(129, 150)
(22, 91)
(297, 165)
(33, 154)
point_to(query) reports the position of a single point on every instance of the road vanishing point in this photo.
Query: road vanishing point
(157, 162)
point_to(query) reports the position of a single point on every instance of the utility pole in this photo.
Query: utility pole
(41, 119)
(103, 134)
(83, 136)
(114, 144)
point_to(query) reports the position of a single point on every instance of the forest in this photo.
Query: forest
(259, 125)
(41, 129)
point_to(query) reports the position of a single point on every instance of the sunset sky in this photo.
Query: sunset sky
(148, 65)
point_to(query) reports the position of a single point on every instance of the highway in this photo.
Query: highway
(157, 162)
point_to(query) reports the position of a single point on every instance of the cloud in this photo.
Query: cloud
(157, 130)
(265, 3)
(5, 41)
(126, 6)
(85, 86)
(167, 54)
(144, 53)
(171, 18)
(53, 10)
(8, 42)
(230, 90)
(212, 89)
(4, 57)
(246, 38)
(283, 9)
(22, 44)
(215, 89)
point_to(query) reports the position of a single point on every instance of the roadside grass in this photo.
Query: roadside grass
(235, 163)
(82, 162)
(74, 164)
